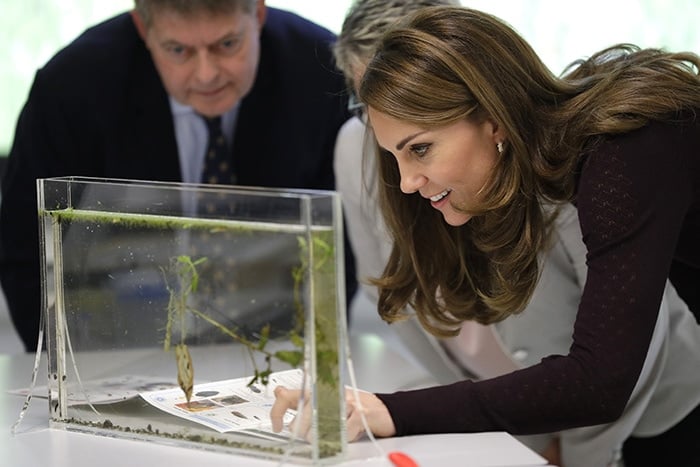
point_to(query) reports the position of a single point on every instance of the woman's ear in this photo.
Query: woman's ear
(497, 132)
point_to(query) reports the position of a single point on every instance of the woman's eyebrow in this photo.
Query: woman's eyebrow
(408, 138)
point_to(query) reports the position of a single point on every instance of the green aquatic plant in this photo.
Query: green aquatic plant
(317, 261)
(185, 270)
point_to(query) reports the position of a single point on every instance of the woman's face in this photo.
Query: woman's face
(448, 166)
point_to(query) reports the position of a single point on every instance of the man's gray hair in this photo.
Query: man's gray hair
(147, 9)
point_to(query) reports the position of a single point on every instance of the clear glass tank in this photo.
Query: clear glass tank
(149, 283)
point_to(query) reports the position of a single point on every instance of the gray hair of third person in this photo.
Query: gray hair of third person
(365, 23)
(147, 8)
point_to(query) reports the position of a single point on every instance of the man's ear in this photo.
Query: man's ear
(261, 13)
(138, 22)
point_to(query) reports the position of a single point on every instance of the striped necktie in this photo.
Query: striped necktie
(218, 167)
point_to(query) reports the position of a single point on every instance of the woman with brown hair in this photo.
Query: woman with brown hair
(476, 136)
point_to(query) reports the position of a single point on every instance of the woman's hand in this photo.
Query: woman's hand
(378, 418)
(553, 452)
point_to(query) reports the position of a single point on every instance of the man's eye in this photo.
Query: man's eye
(420, 150)
(177, 51)
(229, 46)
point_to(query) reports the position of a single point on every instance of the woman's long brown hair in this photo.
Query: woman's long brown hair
(445, 64)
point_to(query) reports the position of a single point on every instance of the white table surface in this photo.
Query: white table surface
(378, 369)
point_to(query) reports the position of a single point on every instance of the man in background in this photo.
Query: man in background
(133, 98)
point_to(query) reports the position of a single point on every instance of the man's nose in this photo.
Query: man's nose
(207, 67)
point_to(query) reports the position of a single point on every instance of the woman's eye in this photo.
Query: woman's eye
(420, 150)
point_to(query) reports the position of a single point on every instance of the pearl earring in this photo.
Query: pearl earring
(499, 147)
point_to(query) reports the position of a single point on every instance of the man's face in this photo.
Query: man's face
(206, 61)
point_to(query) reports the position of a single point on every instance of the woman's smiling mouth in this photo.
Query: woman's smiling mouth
(439, 196)
(439, 199)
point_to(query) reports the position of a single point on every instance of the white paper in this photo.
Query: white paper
(229, 405)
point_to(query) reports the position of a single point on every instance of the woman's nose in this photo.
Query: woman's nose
(411, 179)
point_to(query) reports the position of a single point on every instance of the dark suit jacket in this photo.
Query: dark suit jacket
(98, 108)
